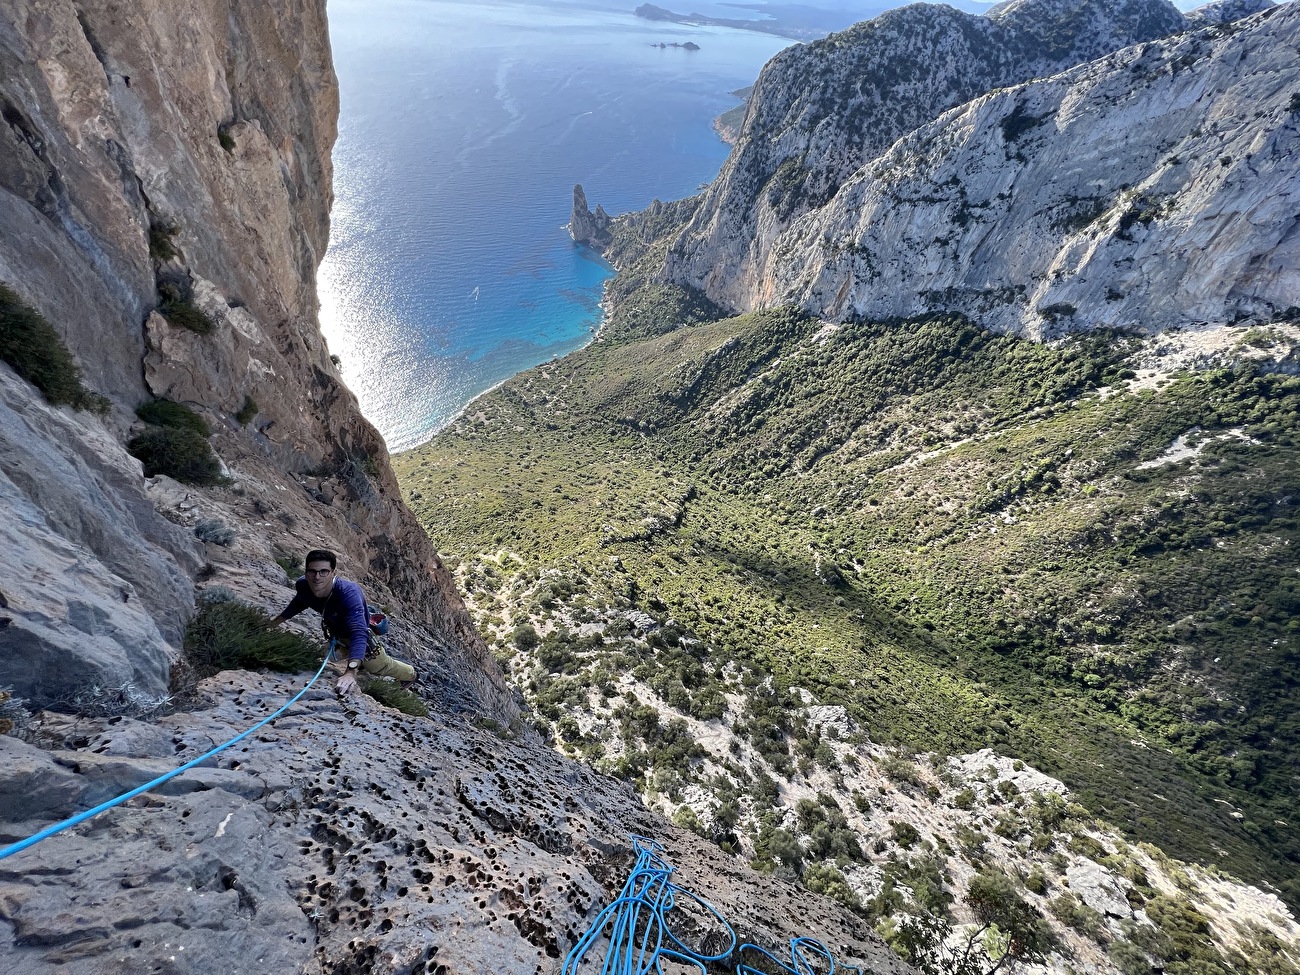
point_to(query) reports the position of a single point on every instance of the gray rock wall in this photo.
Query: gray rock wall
(821, 111)
(1154, 188)
(344, 838)
(212, 121)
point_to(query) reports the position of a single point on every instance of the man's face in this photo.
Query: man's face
(320, 578)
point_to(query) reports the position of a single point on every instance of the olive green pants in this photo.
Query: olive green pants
(377, 662)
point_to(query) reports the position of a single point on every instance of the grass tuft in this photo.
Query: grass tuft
(225, 635)
(177, 306)
(176, 444)
(30, 344)
(178, 416)
(161, 246)
(179, 453)
(391, 694)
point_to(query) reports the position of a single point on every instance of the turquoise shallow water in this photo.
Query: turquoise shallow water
(463, 128)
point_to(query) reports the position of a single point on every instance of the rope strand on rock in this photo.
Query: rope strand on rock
(105, 806)
(639, 934)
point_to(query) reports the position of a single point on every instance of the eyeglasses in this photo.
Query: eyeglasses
(319, 572)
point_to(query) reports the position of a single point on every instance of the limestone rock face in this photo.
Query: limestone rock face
(1155, 187)
(96, 584)
(1094, 886)
(188, 144)
(345, 838)
(1226, 11)
(586, 227)
(820, 112)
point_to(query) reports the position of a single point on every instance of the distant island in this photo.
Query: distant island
(688, 46)
(800, 21)
(777, 26)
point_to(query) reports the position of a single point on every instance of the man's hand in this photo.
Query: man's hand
(347, 684)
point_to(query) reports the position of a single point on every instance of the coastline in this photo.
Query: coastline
(593, 335)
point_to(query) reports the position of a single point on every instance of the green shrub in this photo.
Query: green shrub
(390, 694)
(291, 564)
(824, 879)
(225, 138)
(525, 637)
(1071, 911)
(1036, 881)
(161, 246)
(215, 531)
(178, 307)
(993, 899)
(177, 416)
(178, 453)
(30, 344)
(687, 818)
(224, 635)
(904, 833)
(247, 411)
(1129, 958)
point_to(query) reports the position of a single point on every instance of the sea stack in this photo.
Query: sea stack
(586, 227)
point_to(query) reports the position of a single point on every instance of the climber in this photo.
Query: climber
(342, 606)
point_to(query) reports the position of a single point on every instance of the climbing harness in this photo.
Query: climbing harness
(105, 806)
(639, 928)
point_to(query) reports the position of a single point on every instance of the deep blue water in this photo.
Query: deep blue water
(463, 129)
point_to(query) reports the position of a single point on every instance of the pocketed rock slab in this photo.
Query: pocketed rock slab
(344, 838)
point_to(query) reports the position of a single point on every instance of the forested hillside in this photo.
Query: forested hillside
(1077, 554)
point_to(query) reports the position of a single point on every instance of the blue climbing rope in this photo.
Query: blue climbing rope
(105, 806)
(639, 922)
(808, 956)
(640, 933)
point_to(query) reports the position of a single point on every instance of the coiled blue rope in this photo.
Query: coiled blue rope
(639, 922)
(808, 956)
(105, 806)
(641, 937)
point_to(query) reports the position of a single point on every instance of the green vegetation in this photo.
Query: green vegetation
(177, 306)
(30, 344)
(162, 247)
(390, 694)
(966, 539)
(176, 444)
(247, 411)
(177, 416)
(216, 531)
(291, 564)
(224, 635)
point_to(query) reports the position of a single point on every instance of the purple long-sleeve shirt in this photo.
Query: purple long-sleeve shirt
(344, 612)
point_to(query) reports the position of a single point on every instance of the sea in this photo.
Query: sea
(463, 129)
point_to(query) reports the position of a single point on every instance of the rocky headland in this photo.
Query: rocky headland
(865, 183)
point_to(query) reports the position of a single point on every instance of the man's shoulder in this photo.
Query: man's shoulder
(349, 590)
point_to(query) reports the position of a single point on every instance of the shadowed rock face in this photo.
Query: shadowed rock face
(184, 144)
(345, 838)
